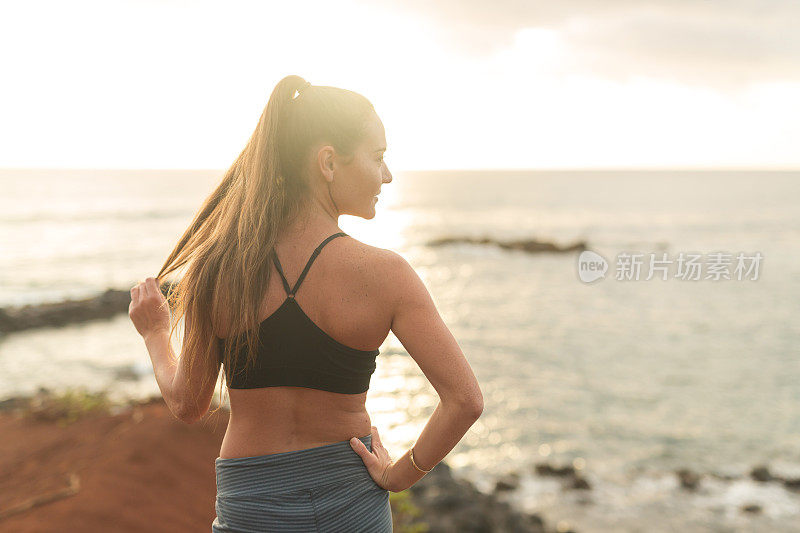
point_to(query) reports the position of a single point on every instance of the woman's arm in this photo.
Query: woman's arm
(187, 399)
(187, 392)
(419, 327)
(165, 363)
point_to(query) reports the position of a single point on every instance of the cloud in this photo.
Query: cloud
(718, 43)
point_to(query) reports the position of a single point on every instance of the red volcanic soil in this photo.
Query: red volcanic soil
(140, 470)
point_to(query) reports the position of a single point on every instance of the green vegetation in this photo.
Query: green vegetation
(67, 406)
(404, 513)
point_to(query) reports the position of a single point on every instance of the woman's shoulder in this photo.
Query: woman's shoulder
(385, 270)
(374, 258)
(374, 266)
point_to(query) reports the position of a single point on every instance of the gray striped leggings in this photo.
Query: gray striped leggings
(323, 489)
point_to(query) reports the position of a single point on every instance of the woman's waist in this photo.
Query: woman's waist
(270, 433)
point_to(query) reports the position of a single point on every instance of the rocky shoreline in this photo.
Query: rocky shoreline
(55, 314)
(687, 480)
(115, 301)
(451, 504)
(525, 245)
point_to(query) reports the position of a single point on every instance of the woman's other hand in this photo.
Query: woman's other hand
(148, 308)
(377, 461)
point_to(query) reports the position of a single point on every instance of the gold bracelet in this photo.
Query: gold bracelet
(411, 455)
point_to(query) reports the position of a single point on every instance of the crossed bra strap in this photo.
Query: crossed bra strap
(291, 291)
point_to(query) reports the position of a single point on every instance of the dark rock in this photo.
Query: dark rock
(535, 520)
(449, 504)
(472, 519)
(689, 480)
(525, 245)
(581, 483)
(446, 501)
(13, 403)
(761, 473)
(792, 484)
(531, 246)
(48, 315)
(753, 508)
(507, 482)
(545, 469)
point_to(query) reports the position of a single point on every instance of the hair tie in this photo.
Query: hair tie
(300, 89)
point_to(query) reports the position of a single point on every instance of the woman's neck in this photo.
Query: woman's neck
(310, 224)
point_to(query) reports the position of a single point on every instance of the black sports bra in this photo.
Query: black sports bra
(294, 351)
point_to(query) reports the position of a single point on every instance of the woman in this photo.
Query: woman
(298, 344)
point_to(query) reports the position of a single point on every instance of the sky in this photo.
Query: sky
(509, 84)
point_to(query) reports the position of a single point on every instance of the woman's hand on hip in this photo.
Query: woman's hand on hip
(377, 461)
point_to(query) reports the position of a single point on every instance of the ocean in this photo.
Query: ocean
(628, 380)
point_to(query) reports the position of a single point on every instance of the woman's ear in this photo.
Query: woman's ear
(325, 162)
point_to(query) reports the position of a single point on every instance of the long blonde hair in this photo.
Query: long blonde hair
(226, 249)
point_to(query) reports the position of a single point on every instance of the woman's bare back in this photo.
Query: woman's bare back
(344, 294)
